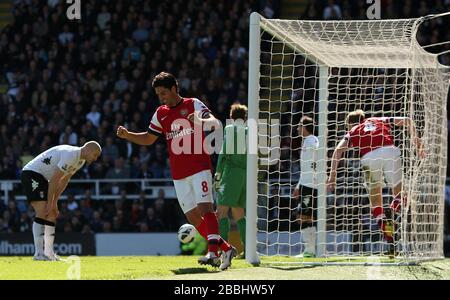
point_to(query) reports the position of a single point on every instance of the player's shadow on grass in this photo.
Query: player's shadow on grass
(293, 268)
(183, 271)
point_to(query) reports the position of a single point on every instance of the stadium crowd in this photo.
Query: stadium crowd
(74, 81)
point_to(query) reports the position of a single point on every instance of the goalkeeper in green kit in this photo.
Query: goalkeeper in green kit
(230, 177)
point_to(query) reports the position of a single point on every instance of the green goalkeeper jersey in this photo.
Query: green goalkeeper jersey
(232, 166)
(234, 152)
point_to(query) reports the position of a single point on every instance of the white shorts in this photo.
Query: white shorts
(382, 161)
(193, 190)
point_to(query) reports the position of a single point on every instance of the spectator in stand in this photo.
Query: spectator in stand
(332, 11)
(94, 116)
(68, 137)
(119, 171)
(72, 205)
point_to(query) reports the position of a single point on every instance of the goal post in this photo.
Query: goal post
(326, 69)
(252, 156)
(321, 161)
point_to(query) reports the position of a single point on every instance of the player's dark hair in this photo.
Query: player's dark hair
(238, 111)
(165, 80)
(355, 117)
(308, 123)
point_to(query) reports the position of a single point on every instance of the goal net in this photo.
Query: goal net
(326, 69)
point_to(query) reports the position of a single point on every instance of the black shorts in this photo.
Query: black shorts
(307, 204)
(35, 186)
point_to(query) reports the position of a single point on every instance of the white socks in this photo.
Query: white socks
(309, 237)
(38, 236)
(49, 237)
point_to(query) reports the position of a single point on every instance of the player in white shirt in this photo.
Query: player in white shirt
(44, 179)
(305, 190)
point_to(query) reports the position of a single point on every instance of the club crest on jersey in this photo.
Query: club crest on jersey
(183, 112)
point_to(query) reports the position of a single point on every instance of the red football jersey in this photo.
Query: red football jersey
(186, 154)
(371, 134)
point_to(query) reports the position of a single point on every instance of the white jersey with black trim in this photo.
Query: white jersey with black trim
(64, 157)
(308, 162)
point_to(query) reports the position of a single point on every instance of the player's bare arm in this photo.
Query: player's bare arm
(296, 192)
(57, 182)
(337, 155)
(140, 138)
(62, 185)
(409, 123)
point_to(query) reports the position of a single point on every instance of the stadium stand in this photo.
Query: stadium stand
(69, 82)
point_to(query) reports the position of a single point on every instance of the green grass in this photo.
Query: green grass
(106, 267)
(186, 267)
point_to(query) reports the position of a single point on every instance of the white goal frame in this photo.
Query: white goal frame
(257, 24)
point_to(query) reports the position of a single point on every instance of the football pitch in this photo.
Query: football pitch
(186, 267)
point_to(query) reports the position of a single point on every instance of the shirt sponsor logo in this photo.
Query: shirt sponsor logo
(179, 133)
(175, 127)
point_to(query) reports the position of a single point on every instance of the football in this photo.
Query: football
(186, 233)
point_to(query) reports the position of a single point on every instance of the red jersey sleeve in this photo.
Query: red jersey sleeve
(201, 109)
(155, 126)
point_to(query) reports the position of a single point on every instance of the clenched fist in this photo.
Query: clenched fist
(194, 118)
(122, 132)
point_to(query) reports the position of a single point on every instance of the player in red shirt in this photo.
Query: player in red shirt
(180, 121)
(379, 157)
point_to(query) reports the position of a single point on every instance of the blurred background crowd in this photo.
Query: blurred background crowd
(67, 82)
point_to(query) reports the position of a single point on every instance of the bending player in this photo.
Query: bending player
(379, 157)
(44, 179)
(177, 120)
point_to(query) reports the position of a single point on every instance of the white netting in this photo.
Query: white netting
(376, 66)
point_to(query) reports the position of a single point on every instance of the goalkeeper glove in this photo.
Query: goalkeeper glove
(217, 178)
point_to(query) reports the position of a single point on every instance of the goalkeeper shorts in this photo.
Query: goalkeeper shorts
(233, 188)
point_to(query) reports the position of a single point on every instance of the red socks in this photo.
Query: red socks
(378, 214)
(212, 226)
(209, 229)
